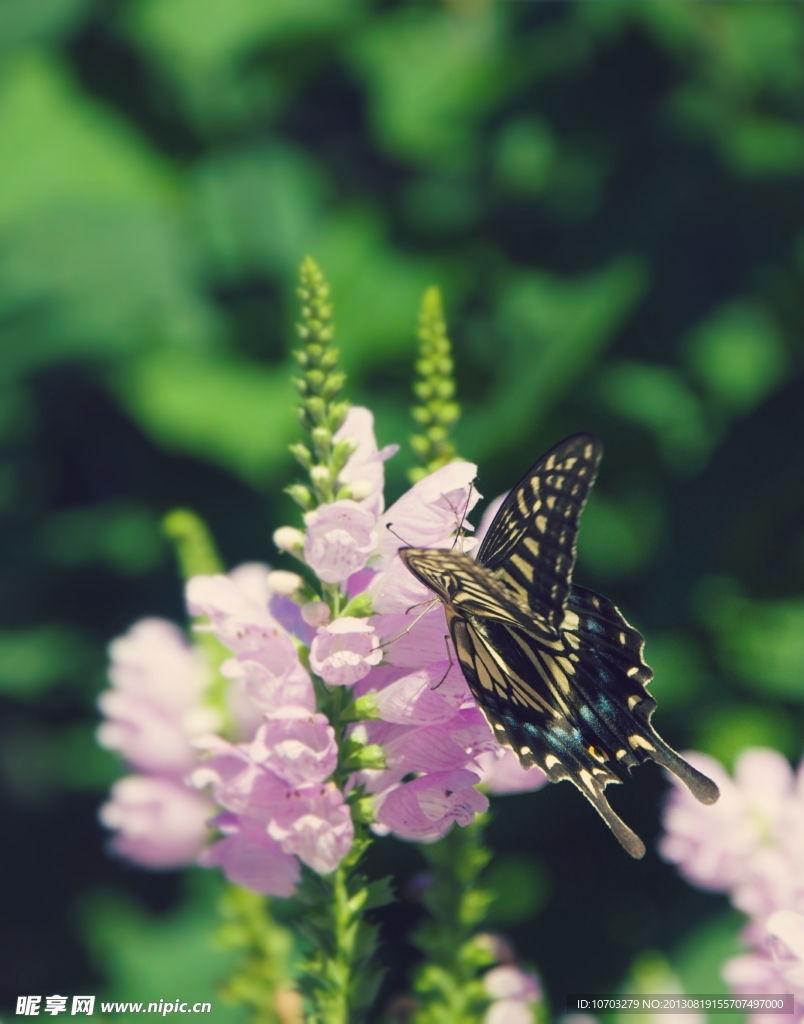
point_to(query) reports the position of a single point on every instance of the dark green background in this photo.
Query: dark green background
(609, 194)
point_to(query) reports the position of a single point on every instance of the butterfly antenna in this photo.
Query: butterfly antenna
(460, 532)
(390, 528)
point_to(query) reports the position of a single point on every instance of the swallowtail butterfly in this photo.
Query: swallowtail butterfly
(555, 668)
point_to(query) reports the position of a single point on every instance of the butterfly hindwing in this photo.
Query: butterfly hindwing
(530, 545)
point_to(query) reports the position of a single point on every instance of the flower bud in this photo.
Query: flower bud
(302, 455)
(320, 476)
(333, 384)
(360, 489)
(321, 440)
(288, 538)
(337, 414)
(341, 452)
(317, 408)
(301, 495)
(284, 584)
(316, 613)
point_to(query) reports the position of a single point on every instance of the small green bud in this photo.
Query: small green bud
(448, 413)
(333, 384)
(420, 445)
(321, 439)
(422, 415)
(317, 408)
(423, 389)
(300, 384)
(341, 452)
(360, 607)
(300, 356)
(315, 379)
(301, 495)
(371, 756)
(315, 352)
(363, 810)
(302, 455)
(337, 414)
(320, 476)
(361, 710)
(329, 359)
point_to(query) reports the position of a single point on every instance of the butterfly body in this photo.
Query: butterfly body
(556, 669)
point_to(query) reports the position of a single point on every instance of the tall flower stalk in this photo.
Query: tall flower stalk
(436, 411)
(317, 709)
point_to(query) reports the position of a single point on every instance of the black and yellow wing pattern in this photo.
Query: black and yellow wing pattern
(556, 669)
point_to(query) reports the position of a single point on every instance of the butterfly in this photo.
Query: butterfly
(555, 668)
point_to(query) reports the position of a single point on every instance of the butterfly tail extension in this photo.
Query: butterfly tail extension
(593, 791)
(701, 787)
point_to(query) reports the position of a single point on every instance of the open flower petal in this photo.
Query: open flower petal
(425, 808)
(344, 651)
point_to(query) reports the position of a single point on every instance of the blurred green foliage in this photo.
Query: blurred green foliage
(609, 196)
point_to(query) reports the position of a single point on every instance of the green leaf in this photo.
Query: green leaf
(759, 642)
(229, 411)
(31, 660)
(555, 329)
(738, 354)
(380, 893)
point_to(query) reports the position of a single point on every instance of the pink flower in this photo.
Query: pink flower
(424, 748)
(278, 679)
(315, 823)
(515, 992)
(428, 696)
(501, 773)
(344, 651)
(251, 858)
(365, 467)
(159, 823)
(237, 611)
(296, 745)
(155, 708)
(430, 512)
(311, 821)
(340, 538)
(775, 969)
(751, 842)
(425, 808)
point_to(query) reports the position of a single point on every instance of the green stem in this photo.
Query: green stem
(448, 985)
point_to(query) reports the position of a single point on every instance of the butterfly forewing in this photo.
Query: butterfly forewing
(530, 546)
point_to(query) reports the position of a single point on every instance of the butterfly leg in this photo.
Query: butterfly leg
(451, 663)
(429, 605)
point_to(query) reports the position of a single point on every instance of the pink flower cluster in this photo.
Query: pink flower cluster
(153, 713)
(270, 781)
(749, 844)
(515, 993)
